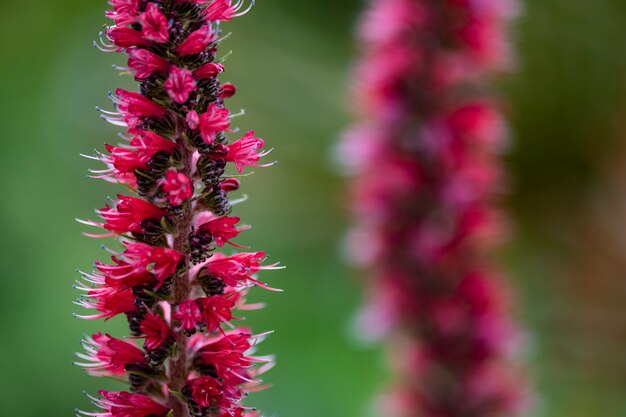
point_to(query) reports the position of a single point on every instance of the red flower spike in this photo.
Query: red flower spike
(426, 228)
(174, 156)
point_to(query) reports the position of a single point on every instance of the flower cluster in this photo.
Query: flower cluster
(178, 294)
(425, 162)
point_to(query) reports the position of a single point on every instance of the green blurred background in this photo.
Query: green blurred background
(291, 61)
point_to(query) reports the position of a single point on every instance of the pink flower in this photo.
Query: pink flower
(124, 11)
(180, 84)
(225, 10)
(125, 404)
(215, 310)
(125, 272)
(222, 229)
(144, 63)
(109, 301)
(125, 6)
(196, 42)
(138, 105)
(244, 152)
(237, 269)
(188, 314)
(209, 70)
(124, 160)
(126, 38)
(220, 351)
(192, 120)
(232, 339)
(478, 123)
(161, 262)
(128, 215)
(157, 332)
(140, 264)
(134, 109)
(154, 24)
(230, 185)
(226, 358)
(109, 356)
(215, 119)
(206, 391)
(177, 186)
(142, 148)
(227, 91)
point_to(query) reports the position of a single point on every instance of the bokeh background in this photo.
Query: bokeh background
(567, 106)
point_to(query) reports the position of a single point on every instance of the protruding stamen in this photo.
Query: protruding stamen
(240, 3)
